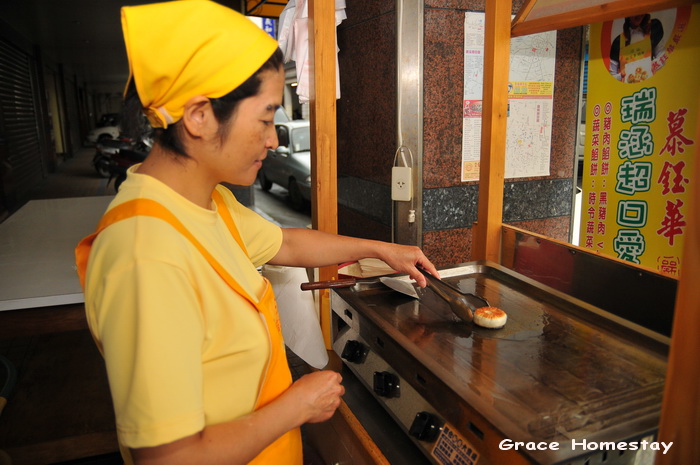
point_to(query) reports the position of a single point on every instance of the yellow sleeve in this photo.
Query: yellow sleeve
(151, 332)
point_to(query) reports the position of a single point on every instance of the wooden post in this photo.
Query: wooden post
(324, 182)
(487, 234)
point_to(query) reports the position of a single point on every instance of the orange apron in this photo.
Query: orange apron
(287, 448)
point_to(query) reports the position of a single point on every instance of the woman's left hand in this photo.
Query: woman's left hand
(406, 259)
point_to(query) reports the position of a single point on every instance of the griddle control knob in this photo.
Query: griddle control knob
(386, 384)
(426, 427)
(354, 351)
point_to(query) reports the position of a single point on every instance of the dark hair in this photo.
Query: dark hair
(645, 26)
(134, 124)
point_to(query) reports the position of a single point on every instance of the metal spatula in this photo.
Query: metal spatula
(400, 285)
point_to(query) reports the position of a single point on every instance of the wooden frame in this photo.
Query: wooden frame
(324, 150)
(487, 235)
(531, 19)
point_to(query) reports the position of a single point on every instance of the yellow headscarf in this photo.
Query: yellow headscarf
(180, 49)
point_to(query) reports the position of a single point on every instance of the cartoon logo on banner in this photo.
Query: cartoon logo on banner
(640, 132)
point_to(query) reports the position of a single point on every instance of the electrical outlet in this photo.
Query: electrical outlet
(401, 183)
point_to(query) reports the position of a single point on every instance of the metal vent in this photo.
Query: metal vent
(18, 123)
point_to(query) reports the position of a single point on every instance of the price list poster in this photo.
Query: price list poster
(530, 101)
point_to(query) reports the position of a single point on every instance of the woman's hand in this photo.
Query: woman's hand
(406, 259)
(309, 248)
(317, 394)
(311, 399)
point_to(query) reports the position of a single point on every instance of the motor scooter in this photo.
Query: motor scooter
(126, 157)
(104, 151)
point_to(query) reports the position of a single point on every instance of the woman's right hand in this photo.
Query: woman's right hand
(317, 394)
(311, 399)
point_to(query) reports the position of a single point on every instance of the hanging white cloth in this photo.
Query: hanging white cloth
(300, 323)
(293, 39)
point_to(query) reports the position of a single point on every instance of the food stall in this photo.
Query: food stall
(606, 377)
(371, 317)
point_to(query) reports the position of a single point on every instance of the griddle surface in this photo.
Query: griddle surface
(558, 370)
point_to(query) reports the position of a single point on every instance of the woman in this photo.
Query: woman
(187, 326)
(635, 49)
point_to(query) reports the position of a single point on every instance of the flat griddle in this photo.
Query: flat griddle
(559, 370)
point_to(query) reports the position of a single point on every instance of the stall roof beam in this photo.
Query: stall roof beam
(546, 15)
(265, 8)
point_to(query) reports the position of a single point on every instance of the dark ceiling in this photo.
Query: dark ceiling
(82, 35)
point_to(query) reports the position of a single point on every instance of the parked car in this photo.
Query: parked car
(107, 128)
(281, 116)
(289, 165)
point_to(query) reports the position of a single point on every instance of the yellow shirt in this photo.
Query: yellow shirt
(182, 350)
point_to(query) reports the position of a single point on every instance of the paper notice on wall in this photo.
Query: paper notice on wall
(530, 90)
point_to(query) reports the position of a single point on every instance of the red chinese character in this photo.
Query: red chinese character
(678, 179)
(672, 223)
(601, 229)
(591, 198)
(675, 141)
(607, 123)
(602, 212)
(668, 265)
(603, 198)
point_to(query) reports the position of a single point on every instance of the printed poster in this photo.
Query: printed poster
(642, 115)
(530, 92)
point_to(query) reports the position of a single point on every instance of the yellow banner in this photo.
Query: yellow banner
(641, 120)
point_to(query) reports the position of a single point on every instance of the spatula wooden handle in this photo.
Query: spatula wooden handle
(346, 282)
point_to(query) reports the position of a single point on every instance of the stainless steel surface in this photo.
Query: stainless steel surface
(406, 401)
(559, 370)
(409, 104)
(399, 285)
(391, 439)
